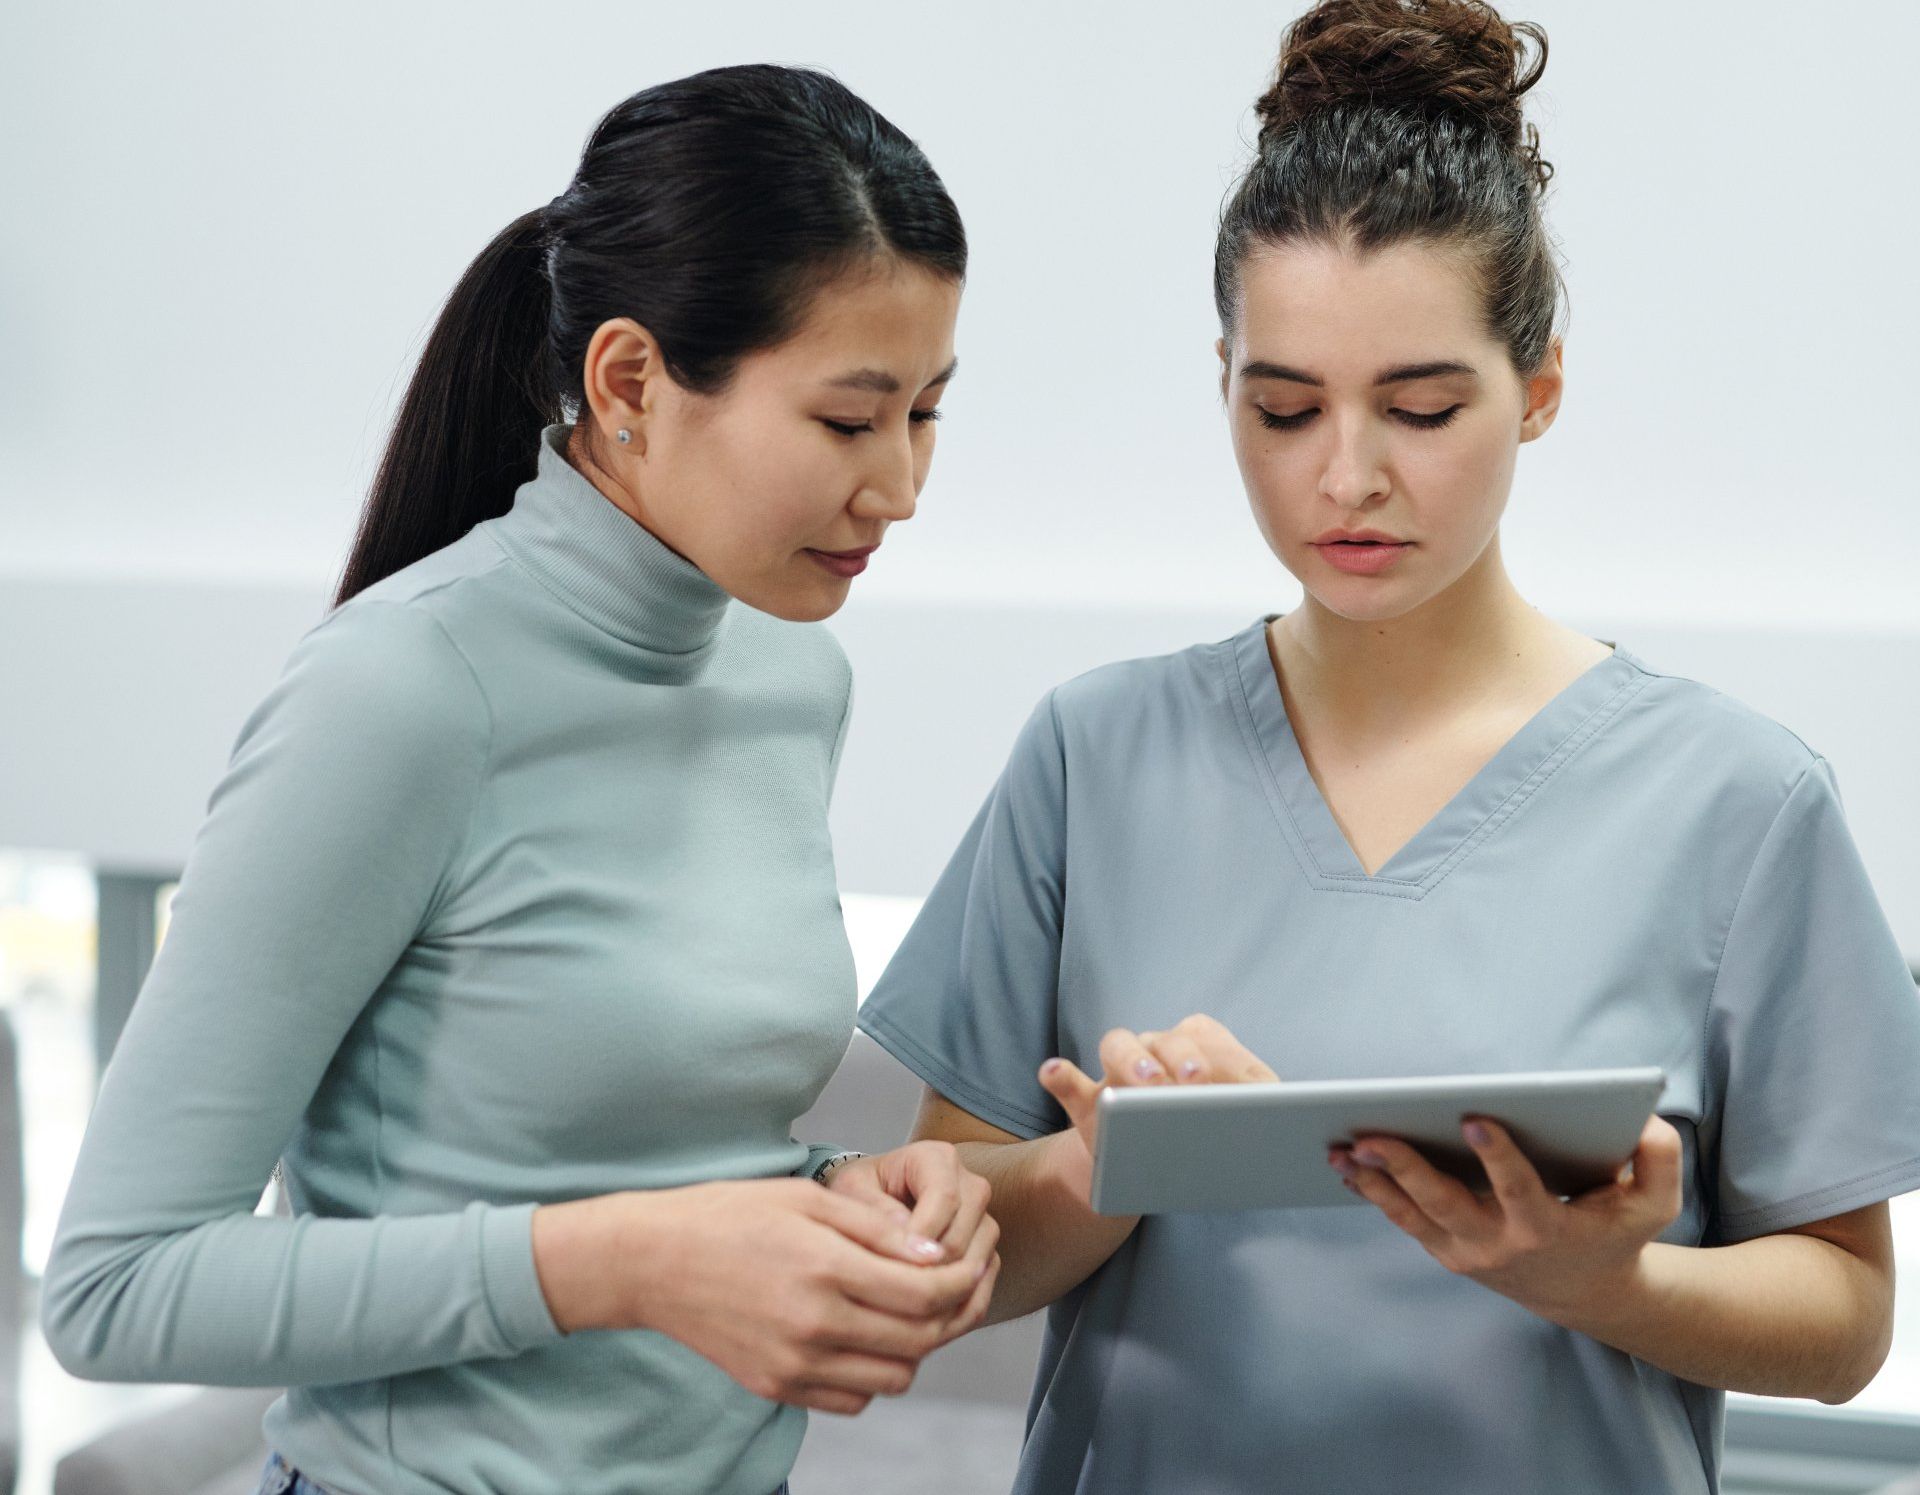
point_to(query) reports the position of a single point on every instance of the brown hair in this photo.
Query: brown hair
(1391, 121)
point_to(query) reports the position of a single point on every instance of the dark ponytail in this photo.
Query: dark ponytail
(709, 210)
(1391, 121)
(466, 434)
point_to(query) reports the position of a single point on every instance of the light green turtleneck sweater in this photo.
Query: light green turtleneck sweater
(517, 889)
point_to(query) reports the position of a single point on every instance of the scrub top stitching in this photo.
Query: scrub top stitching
(1412, 889)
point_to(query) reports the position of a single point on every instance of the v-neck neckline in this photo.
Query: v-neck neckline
(1494, 794)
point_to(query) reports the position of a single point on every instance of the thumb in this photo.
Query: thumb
(1066, 1083)
(1656, 1162)
(876, 1223)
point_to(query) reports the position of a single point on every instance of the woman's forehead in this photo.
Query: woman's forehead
(1336, 310)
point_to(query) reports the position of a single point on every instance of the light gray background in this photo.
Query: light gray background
(226, 228)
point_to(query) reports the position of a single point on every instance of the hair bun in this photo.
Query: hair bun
(1455, 55)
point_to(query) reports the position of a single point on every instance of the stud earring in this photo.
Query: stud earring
(623, 436)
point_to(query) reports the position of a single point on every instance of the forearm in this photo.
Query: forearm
(1781, 1315)
(267, 1301)
(1050, 1238)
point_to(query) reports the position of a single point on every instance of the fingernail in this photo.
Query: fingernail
(919, 1245)
(1368, 1156)
(983, 1269)
(1343, 1166)
(1145, 1068)
(1052, 1066)
(1190, 1068)
(1478, 1135)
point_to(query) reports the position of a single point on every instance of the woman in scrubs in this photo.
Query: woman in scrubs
(1414, 827)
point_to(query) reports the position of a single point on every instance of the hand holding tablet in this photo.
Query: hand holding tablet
(1189, 1119)
(1266, 1145)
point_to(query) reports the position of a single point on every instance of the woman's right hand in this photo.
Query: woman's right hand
(1199, 1050)
(801, 1294)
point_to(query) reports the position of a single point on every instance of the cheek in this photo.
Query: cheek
(1464, 476)
(773, 497)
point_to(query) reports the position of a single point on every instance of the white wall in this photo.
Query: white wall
(129, 695)
(226, 227)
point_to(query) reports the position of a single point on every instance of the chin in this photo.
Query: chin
(804, 605)
(1368, 603)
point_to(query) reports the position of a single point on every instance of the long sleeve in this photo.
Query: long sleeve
(327, 846)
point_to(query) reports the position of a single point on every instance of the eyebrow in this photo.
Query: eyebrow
(879, 381)
(1403, 374)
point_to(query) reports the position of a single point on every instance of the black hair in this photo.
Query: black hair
(1399, 120)
(709, 210)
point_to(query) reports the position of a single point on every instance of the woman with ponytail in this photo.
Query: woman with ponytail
(512, 930)
(1415, 827)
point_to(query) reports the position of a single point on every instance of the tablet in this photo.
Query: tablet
(1264, 1145)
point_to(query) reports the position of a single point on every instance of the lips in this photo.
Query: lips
(1359, 537)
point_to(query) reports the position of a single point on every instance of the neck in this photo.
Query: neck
(1476, 642)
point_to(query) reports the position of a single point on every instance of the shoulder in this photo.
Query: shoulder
(380, 672)
(1714, 740)
(1126, 693)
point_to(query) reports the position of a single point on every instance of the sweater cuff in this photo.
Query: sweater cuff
(508, 1278)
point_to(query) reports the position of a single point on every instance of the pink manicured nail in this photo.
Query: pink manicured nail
(1145, 1068)
(1477, 1134)
(1190, 1068)
(919, 1245)
(1343, 1166)
(1052, 1066)
(1368, 1156)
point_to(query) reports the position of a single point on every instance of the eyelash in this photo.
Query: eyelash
(918, 417)
(1419, 421)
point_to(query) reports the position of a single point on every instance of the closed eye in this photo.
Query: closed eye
(844, 428)
(1419, 420)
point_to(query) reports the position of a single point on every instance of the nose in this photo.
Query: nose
(1353, 472)
(890, 488)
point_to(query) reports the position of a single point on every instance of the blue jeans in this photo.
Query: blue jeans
(281, 1478)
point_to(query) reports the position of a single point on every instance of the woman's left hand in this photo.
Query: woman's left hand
(940, 1199)
(1548, 1255)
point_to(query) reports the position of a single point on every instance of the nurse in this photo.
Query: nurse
(1414, 827)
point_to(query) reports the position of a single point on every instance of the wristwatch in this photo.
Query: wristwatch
(824, 1171)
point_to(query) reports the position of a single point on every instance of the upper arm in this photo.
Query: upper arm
(1865, 1234)
(940, 1120)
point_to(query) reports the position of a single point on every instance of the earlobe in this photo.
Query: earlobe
(620, 377)
(1220, 352)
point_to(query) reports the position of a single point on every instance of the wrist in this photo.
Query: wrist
(587, 1251)
(1066, 1168)
(1602, 1300)
(824, 1171)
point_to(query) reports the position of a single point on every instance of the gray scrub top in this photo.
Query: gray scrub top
(1649, 872)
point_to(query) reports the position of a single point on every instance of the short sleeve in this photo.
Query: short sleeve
(1813, 1033)
(969, 1000)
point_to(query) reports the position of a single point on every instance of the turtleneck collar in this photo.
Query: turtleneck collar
(604, 564)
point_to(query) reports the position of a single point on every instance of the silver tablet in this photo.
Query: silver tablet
(1264, 1145)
